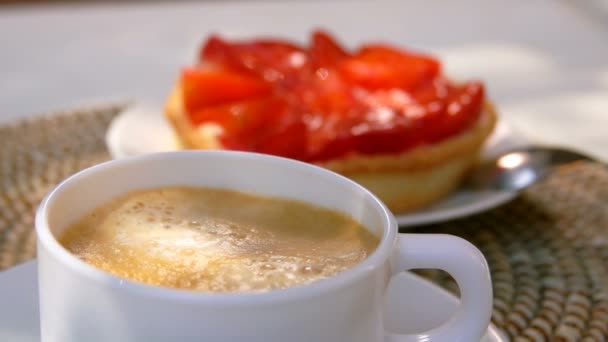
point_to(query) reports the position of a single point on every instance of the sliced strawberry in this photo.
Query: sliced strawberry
(331, 93)
(331, 138)
(202, 88)
(324, 51)
(381, 67)
(286, 139)
(238, 118)
(462, 107)
(216, 50)
(270, 59)
(466, 105)
(271, 96)
(436, 89)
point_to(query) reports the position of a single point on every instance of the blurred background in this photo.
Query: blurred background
(544, 62)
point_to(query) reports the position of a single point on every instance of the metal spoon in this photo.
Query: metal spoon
(520, 168)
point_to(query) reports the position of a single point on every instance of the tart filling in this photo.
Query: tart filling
(321, 103)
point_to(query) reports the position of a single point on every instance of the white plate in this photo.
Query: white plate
(143, 129)
(424, 305)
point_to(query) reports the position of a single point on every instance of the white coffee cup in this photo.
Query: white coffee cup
(81, 303)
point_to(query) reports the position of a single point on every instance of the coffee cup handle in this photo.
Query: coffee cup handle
(465, 263)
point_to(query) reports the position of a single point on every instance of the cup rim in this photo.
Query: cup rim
(377, 259)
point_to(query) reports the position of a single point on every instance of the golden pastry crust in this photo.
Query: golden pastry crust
(408, 181)
(189, 136)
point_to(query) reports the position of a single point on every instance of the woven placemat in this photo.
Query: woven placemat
(548, 254)
(547, 250)
(35, 155)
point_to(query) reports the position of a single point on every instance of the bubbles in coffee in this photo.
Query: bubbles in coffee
(217, 240)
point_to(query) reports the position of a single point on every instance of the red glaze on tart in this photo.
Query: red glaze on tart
(322, 102)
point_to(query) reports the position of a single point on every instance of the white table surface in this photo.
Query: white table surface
(545, 62)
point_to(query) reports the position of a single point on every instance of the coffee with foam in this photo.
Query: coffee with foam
(217, 240)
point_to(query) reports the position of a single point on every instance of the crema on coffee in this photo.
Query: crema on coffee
(217, 240)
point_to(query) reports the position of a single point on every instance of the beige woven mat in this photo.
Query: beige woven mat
(547, 250)
(548, 254)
